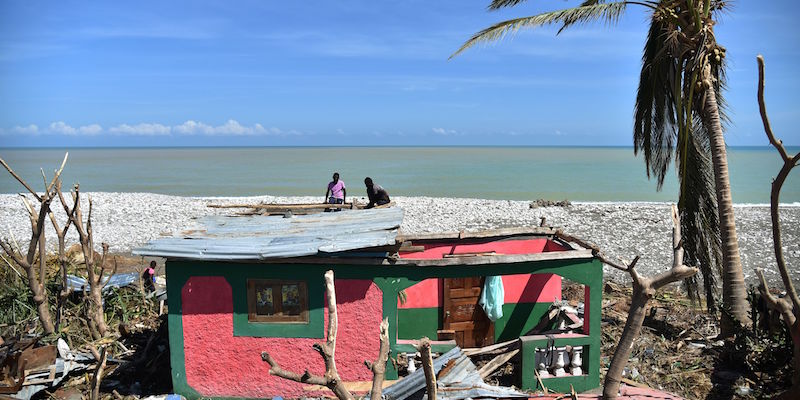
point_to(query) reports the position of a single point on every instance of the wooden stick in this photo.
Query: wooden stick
(378, 368)
(427, 367)
(98, 373)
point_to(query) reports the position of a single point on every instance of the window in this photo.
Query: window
(271, 300)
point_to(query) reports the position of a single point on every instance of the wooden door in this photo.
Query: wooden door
(463, 315)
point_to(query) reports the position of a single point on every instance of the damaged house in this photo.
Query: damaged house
(238, 286)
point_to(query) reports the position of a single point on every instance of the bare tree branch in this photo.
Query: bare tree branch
(20, 180)
(643, 290)
(789, 311)
(595, 250)
(777, 184)
(378, 368)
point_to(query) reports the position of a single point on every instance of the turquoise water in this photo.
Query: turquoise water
(513, 173)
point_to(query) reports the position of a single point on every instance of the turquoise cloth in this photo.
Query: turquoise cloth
(492, 297)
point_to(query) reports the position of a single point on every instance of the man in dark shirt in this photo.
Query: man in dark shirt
(377, 194)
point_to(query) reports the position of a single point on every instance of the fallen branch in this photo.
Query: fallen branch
(595, 250)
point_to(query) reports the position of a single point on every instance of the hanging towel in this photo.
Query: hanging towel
(492, 297)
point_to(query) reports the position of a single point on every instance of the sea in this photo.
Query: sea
(580, 174)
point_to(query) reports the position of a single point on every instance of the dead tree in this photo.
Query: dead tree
(788, 309)
(96, 317)
(326, 350)
(36, 280)
(643, 290)
(63, 263)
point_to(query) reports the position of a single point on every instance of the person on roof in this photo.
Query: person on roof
(337, 191)
(377, 194)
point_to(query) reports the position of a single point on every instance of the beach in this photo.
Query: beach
(621, 229)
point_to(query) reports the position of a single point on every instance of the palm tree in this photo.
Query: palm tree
(678, 114)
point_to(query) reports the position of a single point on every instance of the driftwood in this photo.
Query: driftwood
(424, 348)
(643, 291)
(378, 367)
(326, 350)
(788, 309)
(36, 279)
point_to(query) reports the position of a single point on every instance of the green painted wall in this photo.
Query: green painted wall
(518, 319)
(415, 323)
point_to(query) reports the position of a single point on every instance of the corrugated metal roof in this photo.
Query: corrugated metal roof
(259, 237)
(461, 381)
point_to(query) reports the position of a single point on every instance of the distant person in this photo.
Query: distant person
(149, 277)
(337, 191)
(377, 194)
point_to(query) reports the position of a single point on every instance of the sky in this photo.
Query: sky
(343, 73)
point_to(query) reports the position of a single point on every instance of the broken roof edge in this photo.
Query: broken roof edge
(487, 233)
(257, 238)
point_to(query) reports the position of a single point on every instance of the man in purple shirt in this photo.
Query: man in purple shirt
(337, 191)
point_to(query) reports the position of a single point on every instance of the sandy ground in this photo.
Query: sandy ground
(128, 220)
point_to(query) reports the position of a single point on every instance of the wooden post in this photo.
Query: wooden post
(427, 366)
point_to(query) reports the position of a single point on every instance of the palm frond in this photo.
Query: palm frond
(698, 209)
(655, 123)
(608, 12)
(498, 4)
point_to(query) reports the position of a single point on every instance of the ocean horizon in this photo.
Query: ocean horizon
(576, 173)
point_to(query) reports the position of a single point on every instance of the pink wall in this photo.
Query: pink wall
(219, 364)
(520, 288)
(437, 250)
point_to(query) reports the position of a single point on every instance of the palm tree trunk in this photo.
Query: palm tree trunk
(734, 292)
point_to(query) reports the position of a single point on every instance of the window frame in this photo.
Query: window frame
(276, 285)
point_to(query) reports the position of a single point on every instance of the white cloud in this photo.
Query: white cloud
(30, 129)
(190, 127)
(64, 129)
(141, 129)
(230, 128)
(92, 129)
(61, 127)
(444, 132)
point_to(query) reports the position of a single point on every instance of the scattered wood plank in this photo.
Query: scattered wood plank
(496, 363)
(504, 346)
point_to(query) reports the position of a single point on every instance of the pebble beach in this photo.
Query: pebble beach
(622, 229)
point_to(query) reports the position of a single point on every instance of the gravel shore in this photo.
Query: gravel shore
(128, 220)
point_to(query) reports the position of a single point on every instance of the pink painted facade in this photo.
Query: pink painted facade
(221, 365)
(438, 250)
